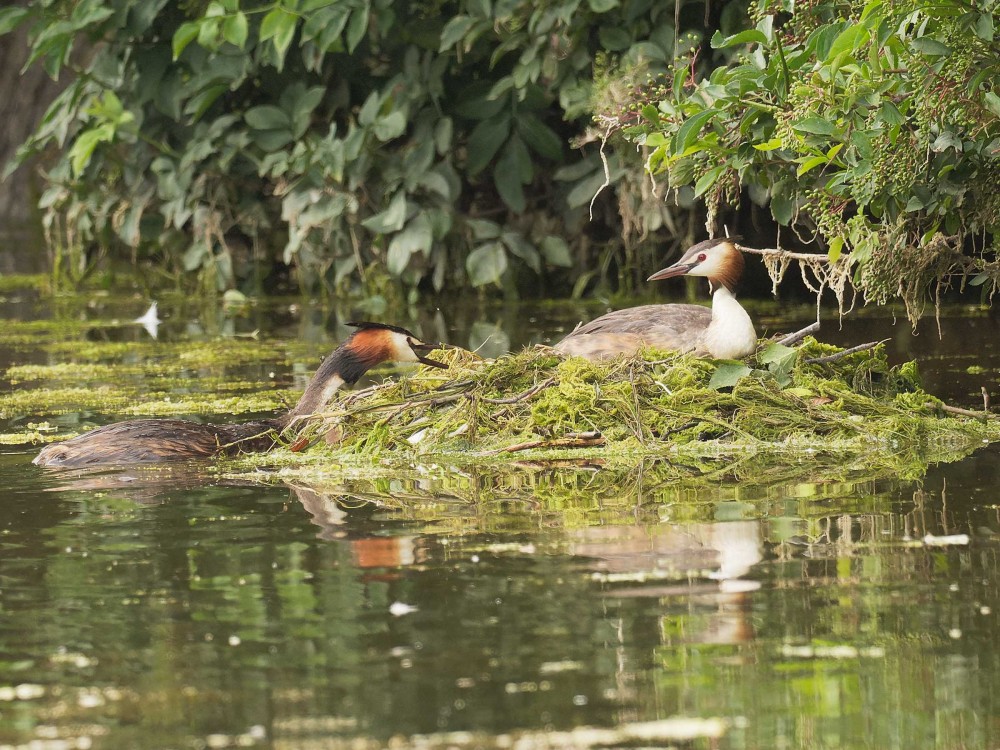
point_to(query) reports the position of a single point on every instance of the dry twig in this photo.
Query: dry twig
(794, 338)
(571, 440)
(520, 396)
(967, 412)
(845, 353)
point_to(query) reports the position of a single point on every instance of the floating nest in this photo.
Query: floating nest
(539, 405)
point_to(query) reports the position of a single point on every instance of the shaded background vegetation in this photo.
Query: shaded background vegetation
(869, 128)
(443, 144)
(24, 97)
(350, 144)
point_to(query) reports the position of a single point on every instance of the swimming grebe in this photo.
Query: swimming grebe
(725, 331)
(160, 440)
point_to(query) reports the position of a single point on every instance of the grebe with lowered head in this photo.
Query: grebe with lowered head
(724, 332)
(162, 440)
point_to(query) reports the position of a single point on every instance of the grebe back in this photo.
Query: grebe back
(723, 331)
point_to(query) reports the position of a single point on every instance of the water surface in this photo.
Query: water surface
(555, 606)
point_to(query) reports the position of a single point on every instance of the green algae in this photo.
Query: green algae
(69, 371)
(855, 412)
(14, 282)
(229, 352)
(147, 375)
(210, 378)
(852, 416)
(133, 401)
(34, 434)
(72, 339)
(519, 496)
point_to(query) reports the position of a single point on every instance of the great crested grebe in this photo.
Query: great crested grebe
(725, 331)
(161, 440)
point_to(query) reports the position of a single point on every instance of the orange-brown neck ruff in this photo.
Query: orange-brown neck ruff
(362, 351)
(730, 273)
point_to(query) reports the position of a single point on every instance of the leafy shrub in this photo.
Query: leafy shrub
(874, 127)
(425, 139)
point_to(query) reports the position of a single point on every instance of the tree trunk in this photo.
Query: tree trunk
(23, 100)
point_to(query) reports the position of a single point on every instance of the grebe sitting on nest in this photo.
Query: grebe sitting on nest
(161, 440)
(725, 331)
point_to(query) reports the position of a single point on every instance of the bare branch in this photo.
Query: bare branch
(845, 353)
(520, 396)
(794, 338)
(571, 440)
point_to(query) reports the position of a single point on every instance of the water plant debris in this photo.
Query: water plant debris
(539, 405)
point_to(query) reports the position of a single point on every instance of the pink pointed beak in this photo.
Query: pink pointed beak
(677, 269)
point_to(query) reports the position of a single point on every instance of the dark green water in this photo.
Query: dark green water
(179, 611)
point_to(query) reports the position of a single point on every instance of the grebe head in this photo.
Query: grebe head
(374, 343)
(369, 346)
(718, 259)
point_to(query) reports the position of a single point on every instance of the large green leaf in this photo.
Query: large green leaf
(301, 106)
(728, 374)
(584, 191)
(455, 30)
(849, 40)
(267, 117)
(707, 180)
(518, 160)
(750, 36)
(485, 140)
(416, 237)
(556, 251)
(779, 360)
(782, 204)
(199, 103)
(10, 17)
(929, 46)
(83, 147)
(235, 29)
(357, 27)
(509, 187)
(486, 264)
(391, 219)
(391, 126)
(985, 25)
(688, 133)
(814, 125)
(475, 103)
(279, 26)
(992, 102)
(540, 137)
(483, 229)
(272, 140)
(184, 35)
(519, 246)
(614, 38)
(325, 26)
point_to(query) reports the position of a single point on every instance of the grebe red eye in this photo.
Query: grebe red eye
(701, 257)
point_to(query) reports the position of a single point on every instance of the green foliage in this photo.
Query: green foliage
(874, 126)
(339, 137)
(778, 361)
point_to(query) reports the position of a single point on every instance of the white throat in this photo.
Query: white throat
(731, 334)
(332, 386)
(401, 350)
(313, 402)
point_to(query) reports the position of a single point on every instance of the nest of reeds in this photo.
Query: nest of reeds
(814, 398)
